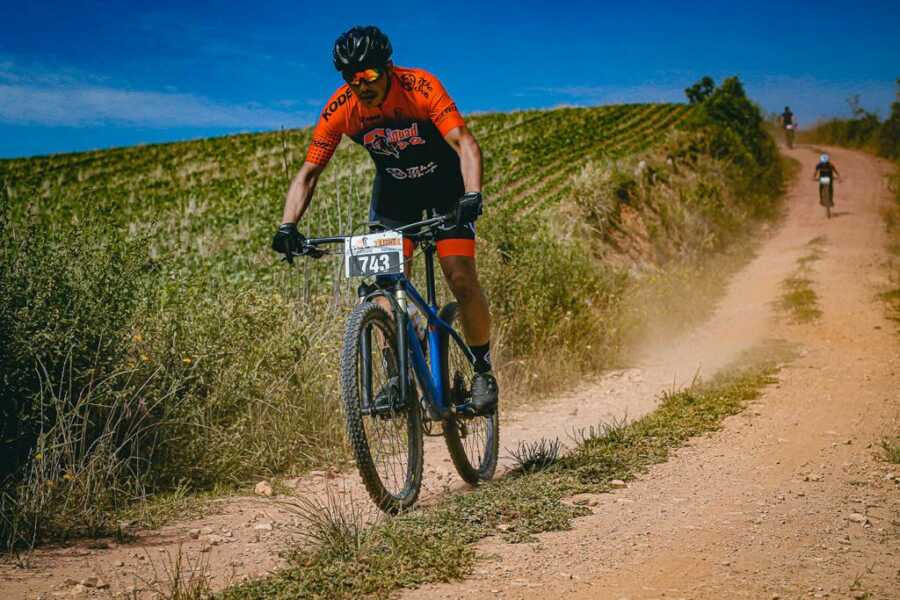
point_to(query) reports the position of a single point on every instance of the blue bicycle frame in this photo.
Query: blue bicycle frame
(403, 291)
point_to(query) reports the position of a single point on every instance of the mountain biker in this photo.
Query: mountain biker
(787, 122)
(787, 117)
(425, 158)
(825, 168)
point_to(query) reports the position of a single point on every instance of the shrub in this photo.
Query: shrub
(255, 378)
(734, 128)
(863, 130)
(67, 295)
(549, 298)
(889, 137)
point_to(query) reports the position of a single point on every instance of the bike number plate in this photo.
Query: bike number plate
(374, 254)
(824, 180)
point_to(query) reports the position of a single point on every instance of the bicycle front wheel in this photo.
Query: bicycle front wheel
(385, 430)
(473, 441)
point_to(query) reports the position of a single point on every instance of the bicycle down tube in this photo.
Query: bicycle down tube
(431, 378)
(429, 375)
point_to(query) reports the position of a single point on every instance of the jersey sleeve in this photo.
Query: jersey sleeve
(328, 131)
(441, 108)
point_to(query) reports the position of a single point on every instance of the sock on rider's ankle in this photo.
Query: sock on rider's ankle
(482, 357)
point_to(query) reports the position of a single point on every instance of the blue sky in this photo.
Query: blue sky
(84, 74)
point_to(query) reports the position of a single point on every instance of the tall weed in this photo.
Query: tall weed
(88, 462)
(554, 307)
(257, 377)
(67, 297)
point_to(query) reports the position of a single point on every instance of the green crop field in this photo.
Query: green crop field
(213, 204)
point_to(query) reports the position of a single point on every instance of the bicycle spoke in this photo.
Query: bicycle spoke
(385, 426)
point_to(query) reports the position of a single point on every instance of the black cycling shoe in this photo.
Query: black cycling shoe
(484, 393)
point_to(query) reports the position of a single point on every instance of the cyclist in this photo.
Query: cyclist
(787, 122)
(425, 160)
(826, 168)
(787, 117)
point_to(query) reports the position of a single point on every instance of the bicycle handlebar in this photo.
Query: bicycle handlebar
(314, 243)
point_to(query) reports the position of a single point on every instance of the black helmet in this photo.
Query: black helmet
(361, 48)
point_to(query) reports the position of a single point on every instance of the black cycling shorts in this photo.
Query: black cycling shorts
(452, 241)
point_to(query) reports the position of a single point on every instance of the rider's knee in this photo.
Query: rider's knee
(464, 285)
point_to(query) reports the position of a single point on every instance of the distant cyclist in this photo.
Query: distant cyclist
(426, 160)
(789, 125)
(825, 174)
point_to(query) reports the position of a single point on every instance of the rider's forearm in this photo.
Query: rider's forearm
(470, 163)
(299, 195)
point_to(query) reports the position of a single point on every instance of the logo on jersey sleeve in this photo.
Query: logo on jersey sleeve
(423, 86)
(390, 142)
(337, 103)
(408, 81)
(411, 83)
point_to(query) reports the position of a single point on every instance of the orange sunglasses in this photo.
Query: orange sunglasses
(367, 75)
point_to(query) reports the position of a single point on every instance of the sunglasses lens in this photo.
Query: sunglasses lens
(368, 76)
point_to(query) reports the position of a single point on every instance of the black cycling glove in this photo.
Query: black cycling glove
(470, 208)
(288, 240)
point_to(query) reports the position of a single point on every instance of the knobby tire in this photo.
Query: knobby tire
(473, 442)
(387, 447)
(826, 193)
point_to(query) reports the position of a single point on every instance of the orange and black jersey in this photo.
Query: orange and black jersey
(416, 167)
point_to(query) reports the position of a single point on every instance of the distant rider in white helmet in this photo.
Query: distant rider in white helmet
(825, 174)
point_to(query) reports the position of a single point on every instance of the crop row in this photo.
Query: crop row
(512, 181)
(211, 204)
(542, 189)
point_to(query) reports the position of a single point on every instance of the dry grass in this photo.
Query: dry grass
(798, 299)
(531, 457)
(337, 522)
(86, 467)
(179, 576)
(891, 448)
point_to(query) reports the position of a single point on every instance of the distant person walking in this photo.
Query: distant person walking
(790, 125)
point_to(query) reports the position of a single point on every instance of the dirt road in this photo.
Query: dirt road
(791, 499)
(762, 508)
